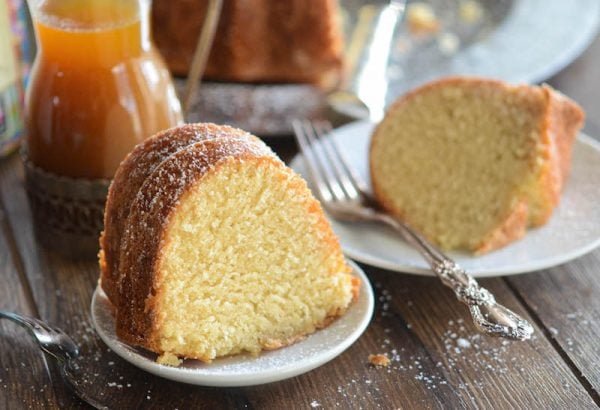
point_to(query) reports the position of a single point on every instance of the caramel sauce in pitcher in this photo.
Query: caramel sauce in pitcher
(98, 86)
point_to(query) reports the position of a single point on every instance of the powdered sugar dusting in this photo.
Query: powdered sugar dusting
(144, 159)
(161, 190)
(458, 349)
(463, 343)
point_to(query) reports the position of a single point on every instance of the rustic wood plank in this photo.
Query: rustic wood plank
(484, 372)
(565, 299)
(438, 362)
(412, 325)
(24, 380)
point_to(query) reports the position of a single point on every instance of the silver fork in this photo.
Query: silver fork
(345, 196)
(59, 347)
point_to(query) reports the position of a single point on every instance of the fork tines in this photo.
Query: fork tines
(331, 173)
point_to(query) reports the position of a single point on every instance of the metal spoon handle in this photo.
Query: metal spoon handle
(59, 347)
(50, 339)
(488, 316)
(201, 53)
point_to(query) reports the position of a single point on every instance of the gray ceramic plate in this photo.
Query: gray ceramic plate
(514, 40)
(573, 230)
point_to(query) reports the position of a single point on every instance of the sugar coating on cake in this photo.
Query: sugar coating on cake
(224, 251)
(132, 173)
(472, 163)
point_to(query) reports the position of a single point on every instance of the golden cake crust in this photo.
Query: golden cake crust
(130, 176)
(148, 219)
(256, 41)
(562, 119)
(138, 315)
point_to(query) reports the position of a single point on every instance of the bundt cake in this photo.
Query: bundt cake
(472, 163)
(213, 247)
(130, 176)
(263, 41)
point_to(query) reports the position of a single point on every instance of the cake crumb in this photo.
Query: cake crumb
(470, 11)
(421, 19)
(379, 360)
(448, 43)
(169, 359)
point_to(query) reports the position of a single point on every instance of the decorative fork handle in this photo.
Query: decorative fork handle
(488, 316)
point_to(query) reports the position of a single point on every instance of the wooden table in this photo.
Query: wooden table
(438, 359)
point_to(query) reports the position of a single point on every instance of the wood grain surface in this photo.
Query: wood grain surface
(24, 379)
(438, 359)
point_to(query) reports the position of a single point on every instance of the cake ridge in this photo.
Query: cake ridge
(171, 177)
(135, 168)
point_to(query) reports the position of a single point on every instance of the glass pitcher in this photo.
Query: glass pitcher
(98, 87)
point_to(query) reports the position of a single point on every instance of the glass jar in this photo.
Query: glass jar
(97, 88)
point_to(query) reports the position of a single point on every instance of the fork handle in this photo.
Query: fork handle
(488, 316)
(23, 321)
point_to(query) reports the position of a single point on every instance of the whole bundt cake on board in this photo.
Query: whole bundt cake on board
(472, 163)
(265, 41)
(213, 247)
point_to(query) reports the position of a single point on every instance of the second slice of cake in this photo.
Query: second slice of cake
(471, 163)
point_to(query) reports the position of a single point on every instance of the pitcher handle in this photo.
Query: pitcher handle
(203, 46)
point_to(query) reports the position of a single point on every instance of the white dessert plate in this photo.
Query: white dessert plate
(246, 370)
(573, 230)
(518, 41)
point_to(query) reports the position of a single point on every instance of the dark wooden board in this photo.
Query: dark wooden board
(416, 324)
(565, 299)
(24, 380)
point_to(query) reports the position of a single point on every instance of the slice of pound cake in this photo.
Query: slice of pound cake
(472, 163)
(130, 176)
(214, 247)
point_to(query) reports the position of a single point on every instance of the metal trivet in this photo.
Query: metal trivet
(67, 212)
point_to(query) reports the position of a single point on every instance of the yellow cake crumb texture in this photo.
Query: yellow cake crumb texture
(379, 360)
(472, 163)
(251, 273)
(169, 359)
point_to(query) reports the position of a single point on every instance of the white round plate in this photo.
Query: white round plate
(245, 370)
(519, 41)
(573, 230)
